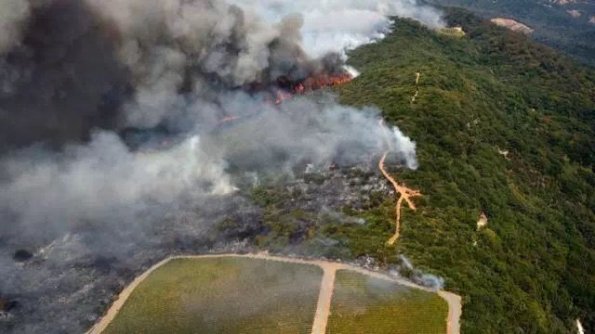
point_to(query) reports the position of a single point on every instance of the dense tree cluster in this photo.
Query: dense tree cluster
(505, 127)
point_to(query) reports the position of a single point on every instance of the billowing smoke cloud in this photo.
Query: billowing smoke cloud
(180, 66)
(129, 63)
(405, 147)
(337, 25)
(115, 122)
(102, 181)
(199, 48)
(62, 78)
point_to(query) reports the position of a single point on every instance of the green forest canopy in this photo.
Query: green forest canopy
(532, 270)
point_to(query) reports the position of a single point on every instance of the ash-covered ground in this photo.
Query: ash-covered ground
(63, 287)
(131, 130)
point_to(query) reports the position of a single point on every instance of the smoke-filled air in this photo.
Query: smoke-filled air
(129, 128)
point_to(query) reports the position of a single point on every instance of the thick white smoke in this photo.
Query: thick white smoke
(161, 40)
(171, 43)
(418, 276)
(305, 130)
(161, 37)
(405, 147)
(186, 59)
(177, 66)
(337, 25)
(103, 181)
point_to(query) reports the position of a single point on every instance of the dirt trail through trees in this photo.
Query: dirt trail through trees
(414, 97)
(404, 193)
(455, 310)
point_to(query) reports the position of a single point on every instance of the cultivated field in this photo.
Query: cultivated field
(222, 295)
(268, 294)
(371, 305)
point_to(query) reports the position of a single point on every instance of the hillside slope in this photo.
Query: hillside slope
(531, 269)
(566, 25)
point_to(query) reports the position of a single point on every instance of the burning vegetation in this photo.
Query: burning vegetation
(284, 88)
(287, 88)
(117, 107)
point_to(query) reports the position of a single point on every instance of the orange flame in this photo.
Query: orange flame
(281, 96)
(310, 84)
(229, 119)
(323, 80)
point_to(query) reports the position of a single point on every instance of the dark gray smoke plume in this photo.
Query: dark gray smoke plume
(60, 79)
(12, 19)
(127, 126)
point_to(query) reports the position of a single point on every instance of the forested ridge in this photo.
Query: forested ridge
(503, 126)
(532, 269)
(566, 25)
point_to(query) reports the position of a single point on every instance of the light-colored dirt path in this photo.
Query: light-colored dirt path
(324, 299)
(323, 309)
(404, 193)
(455, 310)
(414, 97)
(122, 297)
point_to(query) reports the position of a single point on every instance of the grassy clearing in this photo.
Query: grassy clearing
(222, 295)
(456, 32)
(363, 304)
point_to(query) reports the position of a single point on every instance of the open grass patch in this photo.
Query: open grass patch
(222, 295)
(363, 304)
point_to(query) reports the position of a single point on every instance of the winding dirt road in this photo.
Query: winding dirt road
(404, 193)
(414, 97)
(324, 298)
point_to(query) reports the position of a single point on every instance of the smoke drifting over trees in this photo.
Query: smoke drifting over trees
(336, 25)
(76, 77)
(178, 65)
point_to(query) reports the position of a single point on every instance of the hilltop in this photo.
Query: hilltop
(568, 25)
